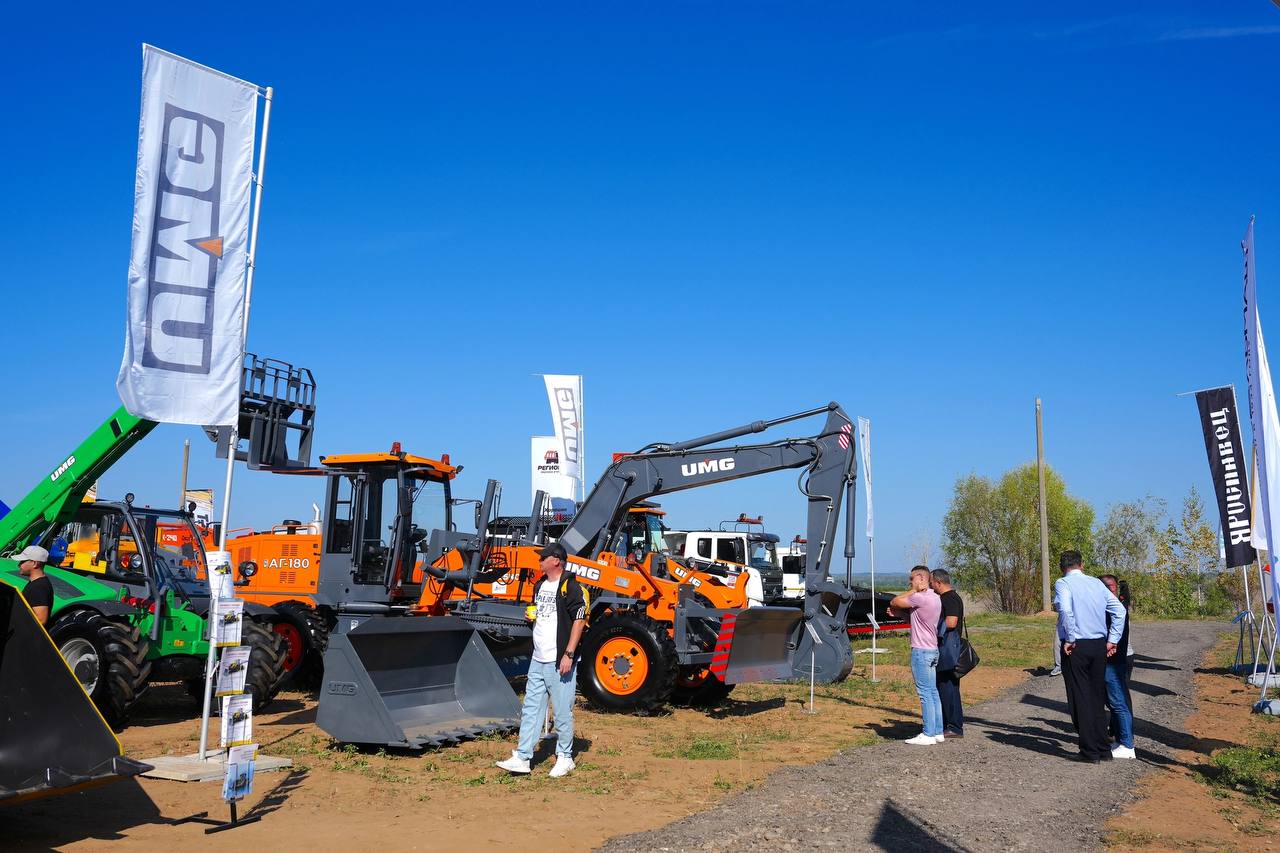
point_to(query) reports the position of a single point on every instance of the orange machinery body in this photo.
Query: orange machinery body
(288, 560)
(610, 572)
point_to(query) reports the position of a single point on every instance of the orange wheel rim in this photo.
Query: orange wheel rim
(621, 666)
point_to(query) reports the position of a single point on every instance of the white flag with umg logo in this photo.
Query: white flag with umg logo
(184, 343)
(565, 395)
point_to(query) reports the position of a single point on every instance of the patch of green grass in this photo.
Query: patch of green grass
(475, 781)
(723, 784)
(701, 748)
(1249, 769)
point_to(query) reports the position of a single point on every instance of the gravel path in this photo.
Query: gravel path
(1007, 785)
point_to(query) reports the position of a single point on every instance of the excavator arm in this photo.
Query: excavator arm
(830, 460)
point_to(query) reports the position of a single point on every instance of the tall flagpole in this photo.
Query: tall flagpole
(582, 439)
(210, 665)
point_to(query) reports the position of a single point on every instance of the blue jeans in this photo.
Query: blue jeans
(1121, 713)
(924, 668)
(544, 679)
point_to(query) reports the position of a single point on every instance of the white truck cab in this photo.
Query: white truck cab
(733, 551)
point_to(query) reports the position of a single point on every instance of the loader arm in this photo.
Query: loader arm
(56, 498)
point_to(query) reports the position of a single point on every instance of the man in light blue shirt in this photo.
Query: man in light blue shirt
(1087, 640)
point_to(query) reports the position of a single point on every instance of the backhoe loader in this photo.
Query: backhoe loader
(649, 631)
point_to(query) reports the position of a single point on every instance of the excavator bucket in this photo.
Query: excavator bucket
(52, 738)
(757, 644)
(411, 682)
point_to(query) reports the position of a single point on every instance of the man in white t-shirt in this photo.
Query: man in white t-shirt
(559, 614)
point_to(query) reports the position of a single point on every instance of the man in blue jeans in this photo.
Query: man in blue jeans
(926, 608)
(559, 614)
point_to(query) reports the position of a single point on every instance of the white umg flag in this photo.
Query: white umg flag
(1262, 405)
(565, 395)
(184, 343)
(864, 445)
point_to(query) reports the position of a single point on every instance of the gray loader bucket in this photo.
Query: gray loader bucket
(757, 644)
(411, 682)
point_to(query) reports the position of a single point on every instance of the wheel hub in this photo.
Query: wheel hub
(82, 659)
(621, 666)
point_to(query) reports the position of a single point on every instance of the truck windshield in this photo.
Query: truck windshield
(763, 555)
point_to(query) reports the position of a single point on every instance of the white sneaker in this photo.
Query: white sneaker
(939, 738)
(1124, 752)
(563, 765)
(1057, 670)
(514, 764)
(923, 740)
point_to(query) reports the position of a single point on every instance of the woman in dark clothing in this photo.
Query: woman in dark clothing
(1119, 700)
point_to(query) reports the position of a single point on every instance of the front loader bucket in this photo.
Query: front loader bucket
(52, 738)
(756, 644)
(413, 681)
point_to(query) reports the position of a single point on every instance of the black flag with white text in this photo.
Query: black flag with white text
(1221, 429)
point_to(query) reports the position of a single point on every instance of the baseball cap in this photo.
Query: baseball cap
(31, 552)
(555, 549)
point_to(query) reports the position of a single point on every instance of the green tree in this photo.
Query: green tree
(991, 534)
(1189, 546)
(1126, 542)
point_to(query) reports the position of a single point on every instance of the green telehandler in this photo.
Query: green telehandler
(138, 613)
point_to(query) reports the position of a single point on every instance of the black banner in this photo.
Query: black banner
(1227, 463)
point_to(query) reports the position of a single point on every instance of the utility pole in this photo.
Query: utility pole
(1044, 519)
(186, 460)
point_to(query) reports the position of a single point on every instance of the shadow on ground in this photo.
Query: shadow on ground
(102, 814)
(896, 831)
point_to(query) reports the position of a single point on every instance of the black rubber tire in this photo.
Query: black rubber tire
(699, 692)
(652, 640)
(266, 662)
(314, 631)
(266, 666)
(123, 669)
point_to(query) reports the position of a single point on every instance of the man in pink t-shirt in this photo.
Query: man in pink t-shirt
(926, 610)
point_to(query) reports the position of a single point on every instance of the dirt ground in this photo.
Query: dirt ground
(1178, 810)
(634, 773)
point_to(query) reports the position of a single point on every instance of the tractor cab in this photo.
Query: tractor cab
(385, 514)
(138, 547)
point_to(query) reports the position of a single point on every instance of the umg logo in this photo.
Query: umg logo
(707, 466)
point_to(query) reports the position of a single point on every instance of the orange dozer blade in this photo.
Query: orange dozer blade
(757, 644)
(52, 738)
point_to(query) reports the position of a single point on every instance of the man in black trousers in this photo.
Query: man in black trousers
(1088, 638)
(948, 681)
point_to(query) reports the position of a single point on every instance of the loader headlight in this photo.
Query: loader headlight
(248, 569)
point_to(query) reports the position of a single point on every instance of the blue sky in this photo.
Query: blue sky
(715, 212)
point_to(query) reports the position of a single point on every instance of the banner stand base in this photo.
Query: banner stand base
(218, 825)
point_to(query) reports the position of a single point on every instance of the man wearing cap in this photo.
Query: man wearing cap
(39, 589)
(559, 615)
